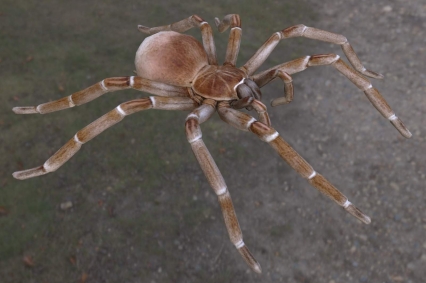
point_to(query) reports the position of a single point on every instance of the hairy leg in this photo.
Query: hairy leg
(102, 87)
(266, 133)
(334, 60)
(215, 178)
(100, 125)
(303, 31)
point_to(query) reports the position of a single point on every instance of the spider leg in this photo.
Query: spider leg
(249, 102)
(267, 76)
(100, 125)
(334, 60)
(215, 178)
(303, 31)
(186, 24)
(266, 133)
(100, 88)
(233, 21)
(242, 103)
(261, 111)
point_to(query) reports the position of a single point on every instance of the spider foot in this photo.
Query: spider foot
(144, 29)
(372, 74)
(249, 258)
(355, 211)
(25, 110)
(397, 123)
(29, 173)
(231, 20)
(220, 25)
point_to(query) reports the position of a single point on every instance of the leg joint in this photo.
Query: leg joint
(221, 191)
(312, 175)
(264, 132)
(192, 127)
(102, 84)
(239, 244)
(120, 110)
(346, 204)
(77, 140)
(393, 117)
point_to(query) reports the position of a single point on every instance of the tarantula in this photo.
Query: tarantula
(185, 76)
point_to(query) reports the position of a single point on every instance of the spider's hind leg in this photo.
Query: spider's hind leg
(266, 133)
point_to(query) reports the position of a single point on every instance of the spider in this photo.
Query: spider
(184, 75)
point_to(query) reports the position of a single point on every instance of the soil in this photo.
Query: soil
(133, 204)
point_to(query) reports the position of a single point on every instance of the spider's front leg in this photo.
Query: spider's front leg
(334, 60)
(215, 179)
(266, 133)
(100, 125)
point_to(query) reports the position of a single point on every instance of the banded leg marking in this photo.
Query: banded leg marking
(241, 121)
(100, 125)
(305, 169)
(216, 181)
(100, 88)
(334, 60)
(303, 31)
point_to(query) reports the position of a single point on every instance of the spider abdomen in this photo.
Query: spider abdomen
(170, 57)
(218, 82)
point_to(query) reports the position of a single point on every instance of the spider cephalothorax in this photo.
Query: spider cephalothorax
(179, 59)
(184, 75)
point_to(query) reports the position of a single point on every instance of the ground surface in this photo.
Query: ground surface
(142, 210)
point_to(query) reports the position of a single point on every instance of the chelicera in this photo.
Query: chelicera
(183, 74)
